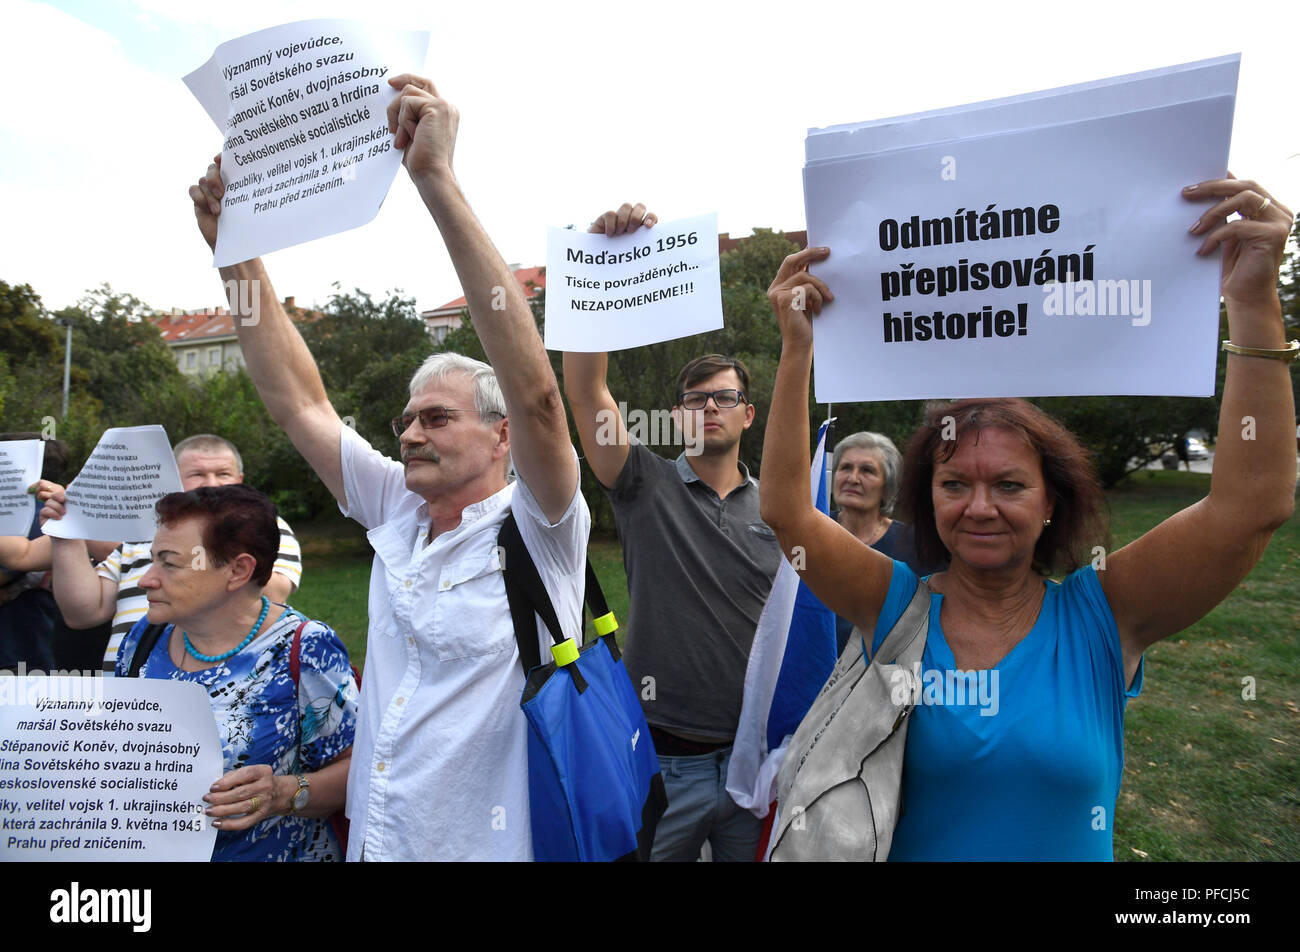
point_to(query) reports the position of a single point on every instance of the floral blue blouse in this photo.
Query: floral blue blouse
(262, 718)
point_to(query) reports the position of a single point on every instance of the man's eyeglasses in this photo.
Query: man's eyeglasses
(699, 399)
(433, 418)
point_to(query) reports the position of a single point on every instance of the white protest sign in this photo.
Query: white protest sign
(1204, 79)
(113, 496)
(653, 285)
(302, 111)
(20, 466)
(105, 769)
(1045, 262)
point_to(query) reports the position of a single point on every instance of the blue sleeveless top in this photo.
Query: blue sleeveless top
(1021, 761)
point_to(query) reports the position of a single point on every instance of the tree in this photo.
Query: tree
(367, 351)
(32, 385)
(357, 331)
(126, 364)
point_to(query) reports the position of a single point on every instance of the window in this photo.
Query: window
(214, 356)
(191, 359)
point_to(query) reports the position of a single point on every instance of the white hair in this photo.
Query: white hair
(437, 368)
(891, 461)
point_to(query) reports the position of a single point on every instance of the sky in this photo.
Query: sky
(567, 109)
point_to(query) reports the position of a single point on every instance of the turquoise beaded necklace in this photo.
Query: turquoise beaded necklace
(266, 607)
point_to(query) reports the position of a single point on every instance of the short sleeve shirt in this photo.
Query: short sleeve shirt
(699, 570)
(440, 768)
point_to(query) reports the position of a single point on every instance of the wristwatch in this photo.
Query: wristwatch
(299, 800)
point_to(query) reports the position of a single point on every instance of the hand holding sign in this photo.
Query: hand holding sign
(301, 109)
(616, 287)
(795, 292)
(1019, 248)
(1252, 251)
(113, 496)
(423, 125)
(627, 219)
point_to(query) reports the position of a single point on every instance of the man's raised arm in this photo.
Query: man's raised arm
(277, 357)
(425, 126)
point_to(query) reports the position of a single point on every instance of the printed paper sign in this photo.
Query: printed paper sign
(302, 109)
(113, 496)
(1047, 261)
(1112, 96)
(20, 466)
(105, 769)
(653, 285)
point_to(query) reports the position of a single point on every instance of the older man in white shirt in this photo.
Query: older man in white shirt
(440, 764)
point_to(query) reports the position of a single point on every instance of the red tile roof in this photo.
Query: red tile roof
(531, 280)
(199, 325)
(213, 322)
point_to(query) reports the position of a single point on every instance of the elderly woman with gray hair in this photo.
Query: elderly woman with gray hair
(865, 472)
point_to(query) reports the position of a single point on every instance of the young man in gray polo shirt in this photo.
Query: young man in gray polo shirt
(700, 563)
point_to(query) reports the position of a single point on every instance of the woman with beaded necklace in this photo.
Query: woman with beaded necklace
(286, 736)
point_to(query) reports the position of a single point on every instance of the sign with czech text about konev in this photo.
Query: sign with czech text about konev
(105, 769)
(1046, 260)
(113, 497)
(302, 110)
(20, 466)
(652, 285)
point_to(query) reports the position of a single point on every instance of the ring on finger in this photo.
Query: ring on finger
(255, 801)
(1263, 207)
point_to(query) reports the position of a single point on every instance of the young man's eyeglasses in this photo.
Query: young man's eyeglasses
(699, 399)
(433, 418)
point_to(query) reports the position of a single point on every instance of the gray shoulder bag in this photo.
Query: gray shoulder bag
(838, 790)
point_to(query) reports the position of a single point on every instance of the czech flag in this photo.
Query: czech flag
(791, 658)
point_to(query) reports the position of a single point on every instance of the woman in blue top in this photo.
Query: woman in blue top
(285, 740)
(1015, 750)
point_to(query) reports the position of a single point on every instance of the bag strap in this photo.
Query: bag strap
(914, 621)
(143, 648)
(295, 650)
(527, 594)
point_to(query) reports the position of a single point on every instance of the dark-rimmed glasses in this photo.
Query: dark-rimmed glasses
(699, 399)
(433, 418)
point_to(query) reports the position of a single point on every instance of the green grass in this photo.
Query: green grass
(336, 579)
(1208, 774)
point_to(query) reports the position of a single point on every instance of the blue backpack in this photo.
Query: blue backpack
(594, 787)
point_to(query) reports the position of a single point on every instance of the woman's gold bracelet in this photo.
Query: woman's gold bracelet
(1287, 353)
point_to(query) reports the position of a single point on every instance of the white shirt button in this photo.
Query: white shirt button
(380, 766)
(400, 701)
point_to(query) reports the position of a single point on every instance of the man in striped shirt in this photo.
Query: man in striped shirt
(89, 597)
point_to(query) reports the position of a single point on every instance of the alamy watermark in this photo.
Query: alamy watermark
(949, 688)
(1129, 298)
(649, 428)
(245, 299)
(52, 690)
(75, 904)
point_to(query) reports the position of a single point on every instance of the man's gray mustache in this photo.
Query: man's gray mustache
(429, 456)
